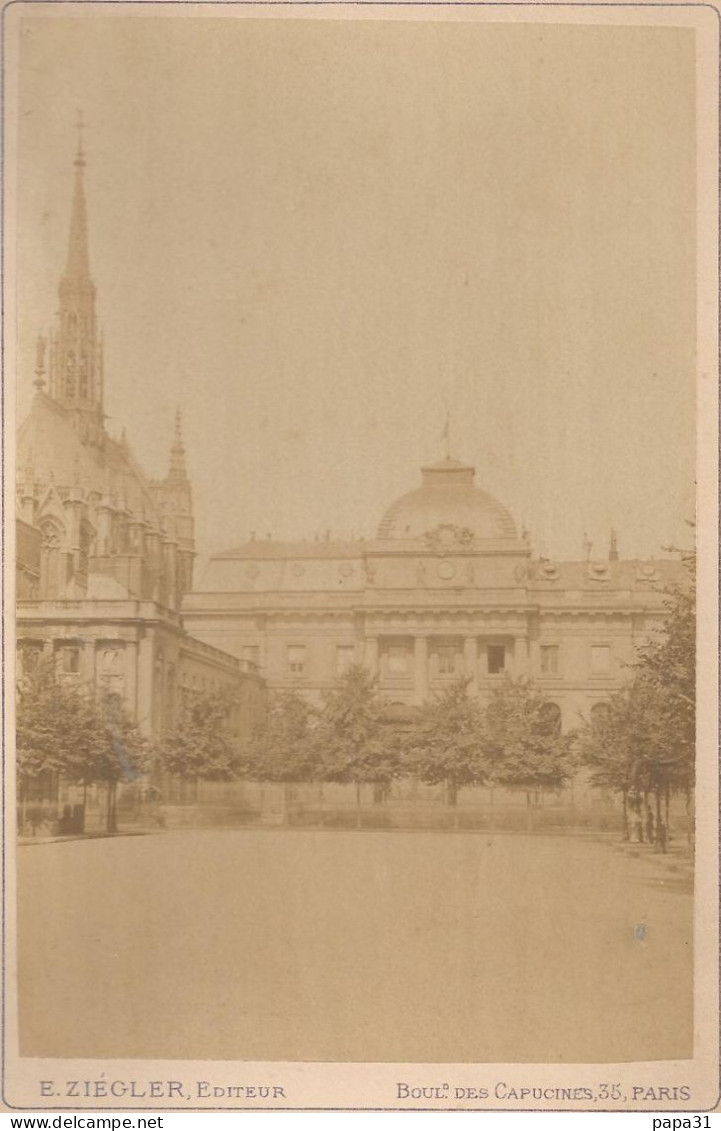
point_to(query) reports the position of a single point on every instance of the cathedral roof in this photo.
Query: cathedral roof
(447, 497)
(49, 445)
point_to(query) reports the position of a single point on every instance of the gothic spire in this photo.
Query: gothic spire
(177, 451)
(76, 363)
(77, 268)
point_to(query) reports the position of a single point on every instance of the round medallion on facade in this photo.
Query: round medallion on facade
(446, 570)
(550, 571)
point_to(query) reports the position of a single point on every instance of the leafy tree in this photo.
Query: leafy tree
(645, 743)
(606, 745)
(280, 748)
(523, 746)
(203, 745)
(351, 742)
(62, 729)
(446, 743)
(666, 672)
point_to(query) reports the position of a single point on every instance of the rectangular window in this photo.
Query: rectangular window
(344, 657)
(30, 657)
(600, 658)
(296, 659)
(447, 660)
(70, 659)
(549, 659)
(397, 660)
(496, 659)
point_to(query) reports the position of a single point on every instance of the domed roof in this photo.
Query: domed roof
(447, 497)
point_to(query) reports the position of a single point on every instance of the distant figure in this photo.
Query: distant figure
(650, 837)
(662, 836)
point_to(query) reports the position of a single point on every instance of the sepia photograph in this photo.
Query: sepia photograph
(355, 436)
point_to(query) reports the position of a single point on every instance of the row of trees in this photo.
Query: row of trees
(640, 744)
(62, 729)
(515, 741)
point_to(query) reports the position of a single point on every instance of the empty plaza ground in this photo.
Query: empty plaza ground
(283, 945)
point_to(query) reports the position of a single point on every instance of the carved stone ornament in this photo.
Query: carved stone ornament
(598, 571)
(447, 536)
(446, 570)
(647, 571)
(297, 569)
(550, 571)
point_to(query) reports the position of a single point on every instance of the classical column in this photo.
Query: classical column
(420, 670)
(371, 654)
(520, 656)
(470, 662)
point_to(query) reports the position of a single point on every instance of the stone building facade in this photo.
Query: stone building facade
(446, 588)
(105, 554)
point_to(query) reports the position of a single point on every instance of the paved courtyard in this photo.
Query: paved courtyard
(261, 945)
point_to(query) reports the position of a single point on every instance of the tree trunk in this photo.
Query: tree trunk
(660, 828)
(358, 805)
(379, 793)
(111, 823)
(626, 830)
(285, 804)
(667, 806)
(451, 792)
(529, 812)
(85, 805)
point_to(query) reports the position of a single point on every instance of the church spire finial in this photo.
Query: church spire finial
(75, 368)
(78, 261)
(177, 450)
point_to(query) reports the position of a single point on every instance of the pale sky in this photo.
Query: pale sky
(313, 236)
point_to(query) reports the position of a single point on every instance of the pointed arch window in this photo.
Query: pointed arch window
(51, 535)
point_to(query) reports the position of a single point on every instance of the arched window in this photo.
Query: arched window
(551, 718)
(599, 716)
(51, 535)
